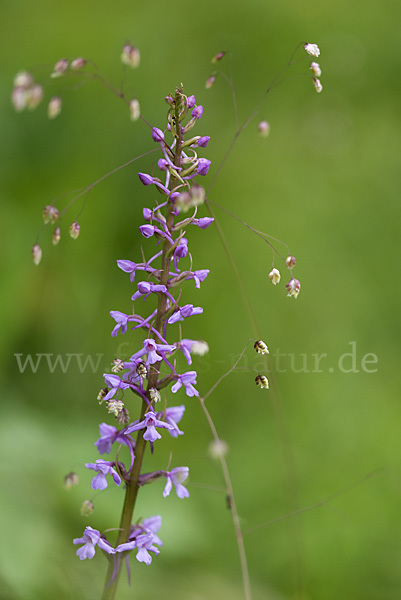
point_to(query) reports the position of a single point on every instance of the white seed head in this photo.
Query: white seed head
(102, 394)
(141, 370)
(312, 49)
(74, 230)
(130, 56)
(261, 347)
(318, 85)
(50, 214)
(264, 128)
(87, 508)
(262, 381)
(134, 109)
(78, 63)
(290, 261)
(293, 287)
(115, 407)
(60, 68)
(218, 449)
(200, 348)
(117, 365)
(56, 236)
(154, 395)
(23, 79)
(54, 107)
(210, 82)
(34, 96)
(218, 57)
(36, 254)
(274, 276)
(71, 480)
(315, 68)
(19, 98)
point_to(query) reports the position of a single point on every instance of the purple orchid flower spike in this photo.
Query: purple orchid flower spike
(144, 543)
(122, 322)
(175, 477)
(115, 383)
(151, 348)
(149, 370)
(103, 468)
(172, 416)
(150, 422)
(109, 435)
(186, 311)
(198, 277)
(130, 267)
(90, 539)
(145, 288)
(186, 380)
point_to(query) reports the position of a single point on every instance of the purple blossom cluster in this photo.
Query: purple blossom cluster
(152, 369)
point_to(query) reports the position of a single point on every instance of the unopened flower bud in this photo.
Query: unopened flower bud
(200, 348)
(78, 63)
(56, 236)
(318, 85)
(203, 166)
(70, 480)
(114, 407)
(315, 68)
(293, 287)
(87, 508)
(162, 164)
(157, 135)
(290, 261)
(19, 98)
(23, 79)
(274, 276)
(60, 68)
(134, 109)
(312, 49)
(203, 141)
(34, 96)
(197, 112)
(218, 57)
(154, 395)
(54, 107)
(191, 100)
(218, 449)
(210, 82)
(103, 392)
(130, 56)
(169, 100)
(74, 230)
(117, 365)
(262, 381)
(36, 254)
(50, 214)
(261, 347)
(264, 128)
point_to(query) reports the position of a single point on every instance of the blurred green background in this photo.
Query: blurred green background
(326, 181)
